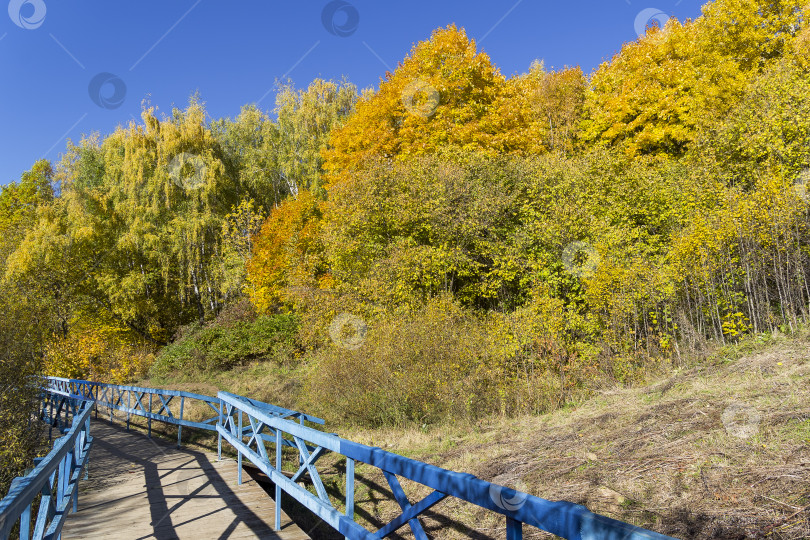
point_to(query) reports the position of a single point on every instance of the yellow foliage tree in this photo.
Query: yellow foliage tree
(97, 349)
(445, 94)
(287, 251)
(657, 93)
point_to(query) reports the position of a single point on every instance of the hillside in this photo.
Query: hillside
(718, 450)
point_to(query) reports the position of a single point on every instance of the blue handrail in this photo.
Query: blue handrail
(168, 406)
(56, 478)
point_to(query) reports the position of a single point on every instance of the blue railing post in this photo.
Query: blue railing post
(514, 529)
(220, 422)
(239, 454)
(349, 489)
(50, 416)
(300, 456)
(279, 442)
(63, 476)
(85, 439)
(74, 464)
(180, 425)
(149, 418)
(25, 523)
(50, 420)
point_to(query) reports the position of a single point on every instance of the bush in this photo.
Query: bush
(19, 402)
(424, 366)
(96, 355)
(443, 362)
(228, 342)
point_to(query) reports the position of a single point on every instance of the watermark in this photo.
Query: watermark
(348, 331)
(647, 16)
(190, 481)
(800, 184)
(420, 98)
(187, 171)
(194, 482)
(507, 498)
(740, 420)
(581, 259)
(340, 18)
(27, 14)
(107, 90)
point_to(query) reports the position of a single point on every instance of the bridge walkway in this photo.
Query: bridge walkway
(141, 488)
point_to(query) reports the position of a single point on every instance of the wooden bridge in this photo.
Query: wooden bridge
(150, 489)
(141, 488)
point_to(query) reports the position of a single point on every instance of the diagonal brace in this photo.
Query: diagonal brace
(309, 464)
(309, 461)
(256, 426)
(409, 511)
(139, 406)
(164, 405)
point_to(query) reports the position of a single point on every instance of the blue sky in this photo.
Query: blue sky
(52, 53)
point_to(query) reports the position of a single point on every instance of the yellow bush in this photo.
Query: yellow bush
(410, 367)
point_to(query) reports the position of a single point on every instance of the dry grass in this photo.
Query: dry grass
(673, 456)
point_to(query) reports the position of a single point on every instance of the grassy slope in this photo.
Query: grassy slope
(672, 456)
(660, 456)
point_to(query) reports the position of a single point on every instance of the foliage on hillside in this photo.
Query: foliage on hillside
(454, 232)
(718, 450)
(584, 262)
(238, 336)
(659, 92)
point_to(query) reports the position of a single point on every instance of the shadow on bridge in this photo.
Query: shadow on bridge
(141, 488)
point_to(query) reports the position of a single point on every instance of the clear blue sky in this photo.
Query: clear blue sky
(233, 52)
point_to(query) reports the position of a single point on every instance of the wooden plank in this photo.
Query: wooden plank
(141, 488)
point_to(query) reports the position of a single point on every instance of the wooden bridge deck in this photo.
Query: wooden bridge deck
(143, 488)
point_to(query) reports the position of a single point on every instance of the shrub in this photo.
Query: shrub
(99, 350)
(412, 367)
(228, 342)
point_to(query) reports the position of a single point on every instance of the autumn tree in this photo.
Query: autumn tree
(659, 91)
(239, 231)
(402, 232)
(27, 317)
(767, 134)
(287, 252)
(19, 201)
(557, 100)
(276, 158)
(305, 121)
(139, 223)
(445, 94)
(547, 105)
(250, 152)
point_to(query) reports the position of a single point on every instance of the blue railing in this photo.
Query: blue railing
(55, 478)
(249, 426)
(168, 406)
